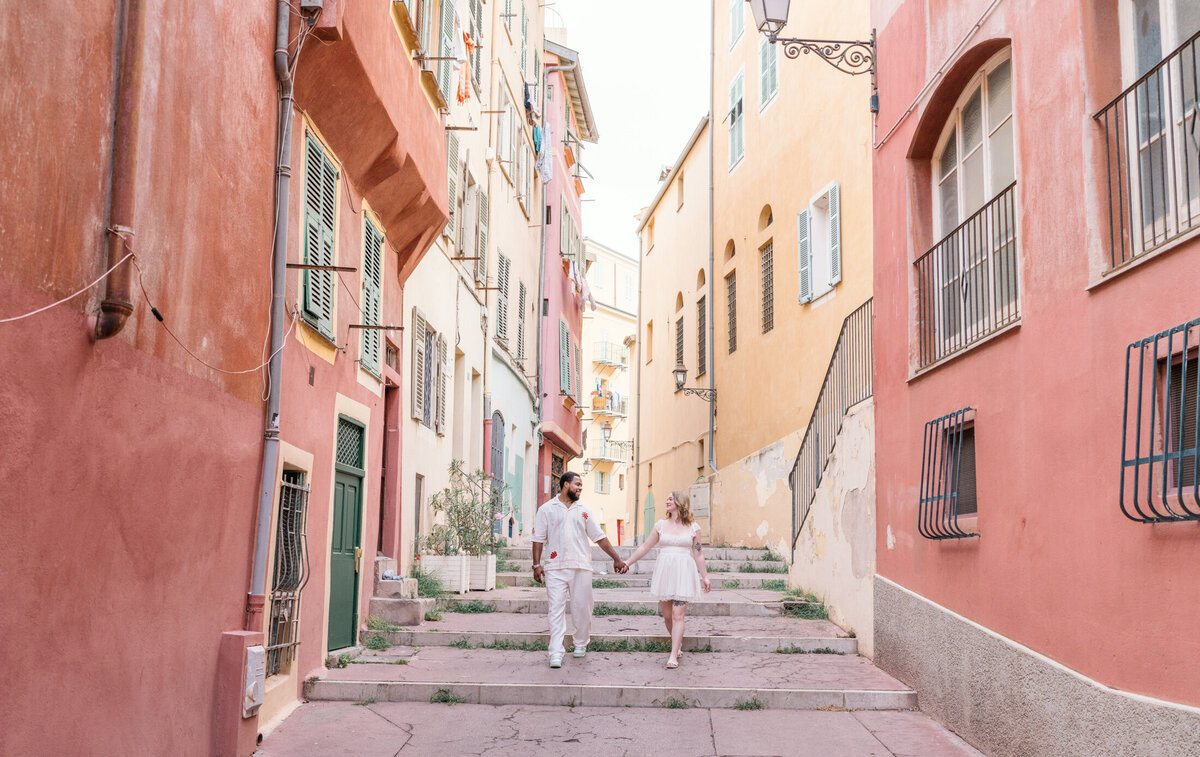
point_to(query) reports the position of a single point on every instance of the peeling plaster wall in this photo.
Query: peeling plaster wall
(835, 554)
(751, 502)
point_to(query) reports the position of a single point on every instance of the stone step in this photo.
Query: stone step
(619, 679)
(691, 642)
(722, 602)
(710, 553)
(400, 612)
(646, 565)
(395, 588)
(642, 580)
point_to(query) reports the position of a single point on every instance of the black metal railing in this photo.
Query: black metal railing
(848, 381)
(1152, 151)
(1160, 427)
(947, 476)
(291, 572)
(967, 285)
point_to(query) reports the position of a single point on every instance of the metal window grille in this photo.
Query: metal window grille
(1152, 147)
(768, 287)
(967, 285)
(947, 476)
(1161, 427)
(350, 438)
(679, 342)
(848, 381)
(291, 572)
(557, 466)
(731, 306)
(701, 337)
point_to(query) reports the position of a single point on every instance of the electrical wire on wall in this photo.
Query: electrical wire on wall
(69, 297)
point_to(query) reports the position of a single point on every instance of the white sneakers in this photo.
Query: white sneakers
(556, 661)
(580, 651)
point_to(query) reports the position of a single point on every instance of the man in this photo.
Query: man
(565, 528)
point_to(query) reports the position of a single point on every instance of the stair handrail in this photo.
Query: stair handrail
(848, 381)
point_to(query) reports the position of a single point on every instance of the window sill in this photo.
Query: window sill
(314, 330)
(1167, 247)
(921, 373)
(762, 109)
(741, 159)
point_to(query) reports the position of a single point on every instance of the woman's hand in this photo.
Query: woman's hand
(707, 584)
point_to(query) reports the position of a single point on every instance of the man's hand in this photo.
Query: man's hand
(619, 566)
(539, 575)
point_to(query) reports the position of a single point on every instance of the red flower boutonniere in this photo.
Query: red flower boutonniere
(585, 516)
(553, 555)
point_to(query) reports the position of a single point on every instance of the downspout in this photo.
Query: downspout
(712, 306)
(283, 174)
(117, 304)
(637, 431)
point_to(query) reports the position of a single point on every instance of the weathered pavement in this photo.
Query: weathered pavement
(755, 681)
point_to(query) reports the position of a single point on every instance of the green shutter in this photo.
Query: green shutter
(372, 339)
(320, 197)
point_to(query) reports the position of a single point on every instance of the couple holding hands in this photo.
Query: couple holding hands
(563, 532)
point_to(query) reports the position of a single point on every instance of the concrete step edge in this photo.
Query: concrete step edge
(718, 644)
(599, 695)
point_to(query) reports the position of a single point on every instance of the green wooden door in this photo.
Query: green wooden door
(344, 560)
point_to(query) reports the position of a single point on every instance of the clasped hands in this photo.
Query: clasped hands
(620, 566)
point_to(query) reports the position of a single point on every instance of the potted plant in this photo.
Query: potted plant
(460, 548)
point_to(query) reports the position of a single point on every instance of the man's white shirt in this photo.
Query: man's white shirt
(567, 533)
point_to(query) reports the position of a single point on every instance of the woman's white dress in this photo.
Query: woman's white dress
(675, 574)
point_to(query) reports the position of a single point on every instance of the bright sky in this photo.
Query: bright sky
(646, 66)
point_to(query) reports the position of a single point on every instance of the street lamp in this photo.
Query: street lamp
(606, 429)
(587, 467)
(680, 373)
(848, 56)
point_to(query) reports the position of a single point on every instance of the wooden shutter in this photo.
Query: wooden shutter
(701, 336)
(508, 14)
(524, 40)
(564, 355)
(835, 234)
(578, 374)
(764, 73)
(446, 67)
(440, 422)
(477, 39)
(418, 365)
(735, 120)
(679, 342)
(502, 272)
(804, 254)
(451, 182)
(521, 306)
(320, 199)
(372, 301)
(481, 240)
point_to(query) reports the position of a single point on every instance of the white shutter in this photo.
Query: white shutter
(564, 354)
(502, 272)
(835, 234)
(804, 254)
(764, 71)
(578, 374)
(447, 66)
(521, 306)
(440, 422)
(737, 20)
(481, 241)
(418, 365)
(451, 181)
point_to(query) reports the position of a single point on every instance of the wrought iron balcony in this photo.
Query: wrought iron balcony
(610, 354)
(967, 285)
(610, 408)
(613, 451)
(1152, 146)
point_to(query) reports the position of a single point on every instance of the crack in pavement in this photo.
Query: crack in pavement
(407, 728)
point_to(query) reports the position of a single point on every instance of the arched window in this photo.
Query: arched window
(729, 250)
(678, 301)
(765, 218)
(700, 280)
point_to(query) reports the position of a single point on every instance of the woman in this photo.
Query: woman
(679, 572)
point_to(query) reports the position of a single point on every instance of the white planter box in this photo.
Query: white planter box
(454, 571)
(483, 572)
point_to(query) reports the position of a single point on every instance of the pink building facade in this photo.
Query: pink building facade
(569, 123)
(1036, 268)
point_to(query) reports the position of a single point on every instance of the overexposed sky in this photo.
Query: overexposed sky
(646, 67)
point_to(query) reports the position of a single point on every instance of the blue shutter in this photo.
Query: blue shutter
(804, 254)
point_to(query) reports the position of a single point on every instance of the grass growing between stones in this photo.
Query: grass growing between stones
(461, 644)
(616, 610)
(433, 616)
(774, 584)
(428, 584)
(801, 650)
(731, 583)
(802, 604)
(771, 556)
(717, 569)
(753, 703)
(377, 642)
(504, 565)
(379, 624)
(676, 703)
(340, 661)
(365, 702)
(627, 645)
(518, 646)
(749, 567)
(473, 606)
(445, 696)
(606, 583)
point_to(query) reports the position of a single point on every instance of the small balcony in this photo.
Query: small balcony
(1152, 151)
(608, 407)
(967, 285)
(610, 354)
(612, 451)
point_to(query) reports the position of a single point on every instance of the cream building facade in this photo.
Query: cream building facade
(610, 370)
(672, 430)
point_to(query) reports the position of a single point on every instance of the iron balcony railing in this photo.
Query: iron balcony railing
(611, 407)
(947, 476)
(611, 451)
(967, 285)
(848, 381)
(1160, 444)
(608, 353)
(1152, 151)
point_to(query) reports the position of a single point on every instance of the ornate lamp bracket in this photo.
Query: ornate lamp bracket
(852, 57)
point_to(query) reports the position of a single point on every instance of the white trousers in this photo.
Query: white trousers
(575, 587)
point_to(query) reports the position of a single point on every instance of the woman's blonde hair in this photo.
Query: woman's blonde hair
(684, 503)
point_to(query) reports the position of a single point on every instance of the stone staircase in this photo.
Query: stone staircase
(394, 600)
(744, 649)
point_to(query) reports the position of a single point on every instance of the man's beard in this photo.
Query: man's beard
(572, 495)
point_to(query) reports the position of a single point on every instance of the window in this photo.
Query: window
(679, 189)
(564, 358)
(621, 482)
(291, 571)
(737, 120)
(446, 67)
(452, 176)
(679, 342)
(372, 282)
(508, 15)
(504, 131)
(767, 256)
(557, 466)
(701, 337)
(521, 308)
(819, 248)
(649, 342)
(968, 283)
(502, 299)
(768, 72)
(603, 482)
(481, 237)
(650, 474)
(578, 374)
(737, 21)
(948, 476)
(629, 286)
(476, 31)
(731, 308)
(1160, 448)
(320, 204)
(524, 39)
(1151, 129)
(429, 371)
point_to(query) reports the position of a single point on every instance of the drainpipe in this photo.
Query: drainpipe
(117, 304)
(283, 174)
(637, 432)
(712, 307)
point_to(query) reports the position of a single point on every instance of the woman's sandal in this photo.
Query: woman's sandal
(672, 664)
